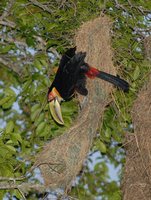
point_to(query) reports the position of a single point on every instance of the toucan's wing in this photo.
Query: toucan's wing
(66, 57)
(59, 75)
(81, 85)
(68, 75)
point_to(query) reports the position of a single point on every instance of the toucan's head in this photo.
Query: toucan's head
(54, 99)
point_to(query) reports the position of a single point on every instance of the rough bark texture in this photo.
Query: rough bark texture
(137, 174)
(62, 158)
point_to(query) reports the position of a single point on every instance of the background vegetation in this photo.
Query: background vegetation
(33, 35)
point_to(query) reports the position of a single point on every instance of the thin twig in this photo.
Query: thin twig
(6, 13)
(8, 186)
(7, 63)
(49, 165)
(22, 194)
(139, 8)
(12, 40)
(7, 9)
(11, 179)
(24, 187)
(118, 5)
(8, 23)
(40, 5)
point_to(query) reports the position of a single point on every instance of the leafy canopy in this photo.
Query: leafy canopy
(33, 34)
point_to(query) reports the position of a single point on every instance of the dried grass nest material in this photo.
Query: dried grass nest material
(137, 174)
(62, 158)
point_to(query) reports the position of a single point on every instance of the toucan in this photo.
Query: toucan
(71, 77)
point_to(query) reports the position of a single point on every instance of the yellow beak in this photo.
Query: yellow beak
(55, 110)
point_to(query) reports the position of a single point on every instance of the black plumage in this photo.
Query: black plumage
(71, 74)
(73, 71)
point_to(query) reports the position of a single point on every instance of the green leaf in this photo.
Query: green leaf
(9, 142)
(1, 130)
(136, 73)
(7, 169)
(27, 84)
(9, 92)
(16, 137)
(6, 48)
(9, 103)
(117, 136)
(46, 81)
(40, 119)
(38, 64)
(101, 146)
(10, 148)
(9, 127)
(30, 41)
(4, 100)
(35, 114)
(108, 133)
(46, 132)
(35, 107)
(40, 127)
(44, 63)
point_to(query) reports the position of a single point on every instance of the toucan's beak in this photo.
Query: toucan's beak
(55, 110)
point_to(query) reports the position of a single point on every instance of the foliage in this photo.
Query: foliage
(32, 35)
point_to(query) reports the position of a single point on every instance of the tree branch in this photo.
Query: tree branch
(6, 13)
(12, 40)
(8, 63)
(118, 5)
(7, 9)
(8, 23)
(43, 7)
(24, 187)
(10, 183)
(11, 179)
(139, 8)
